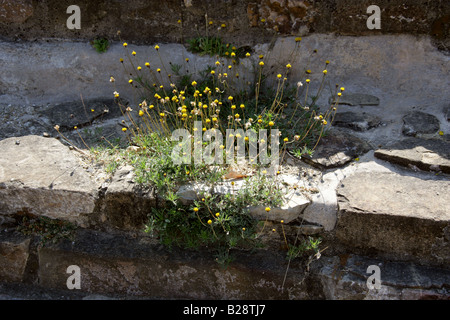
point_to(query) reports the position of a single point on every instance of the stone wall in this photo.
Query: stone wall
(248, 21)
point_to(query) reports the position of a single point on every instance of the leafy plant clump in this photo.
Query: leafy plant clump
(49, 231)
(214, 46)
(101, 45)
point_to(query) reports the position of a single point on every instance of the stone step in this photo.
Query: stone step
(416, 153)
(122, 267)
(346, 277)
(120, 264)
(399, 216)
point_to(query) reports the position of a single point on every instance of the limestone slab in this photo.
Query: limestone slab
(41, 176)
(425, 154)
(292, 209)
(337, 149)
(397, 215)
(80, 113)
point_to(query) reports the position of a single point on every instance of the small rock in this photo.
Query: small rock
(190, 192)
(290, 211)
(337, 149)
(418, 122)
(356, 121)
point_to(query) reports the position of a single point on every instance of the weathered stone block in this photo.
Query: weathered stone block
(345, 278)
(41, 176)
(400, 216)
(14, 253)
(126, 205)
(116, 264)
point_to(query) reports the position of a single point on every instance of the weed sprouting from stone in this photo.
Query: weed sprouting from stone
(236, 95)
